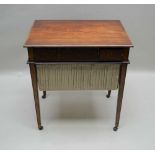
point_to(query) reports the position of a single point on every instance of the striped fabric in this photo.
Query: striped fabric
(78, 76)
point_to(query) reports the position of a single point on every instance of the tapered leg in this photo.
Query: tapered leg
(44, 95)
(122, 76)
(109, 93)
(35, 93)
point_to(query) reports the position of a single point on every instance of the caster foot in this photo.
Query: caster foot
(41, 128)
(115, 128)
(109, 93)
(108, 96)
(44, 95)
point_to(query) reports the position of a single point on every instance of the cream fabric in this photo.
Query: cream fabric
(78, 76)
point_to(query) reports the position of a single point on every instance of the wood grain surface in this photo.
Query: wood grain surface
(77, 33)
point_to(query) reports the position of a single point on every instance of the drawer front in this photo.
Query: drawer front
(64, 54)
(45, 54)
(78, 54)
(113, 54)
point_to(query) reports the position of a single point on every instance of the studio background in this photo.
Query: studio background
(78, 119)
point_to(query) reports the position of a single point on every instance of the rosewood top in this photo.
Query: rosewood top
(85, 33)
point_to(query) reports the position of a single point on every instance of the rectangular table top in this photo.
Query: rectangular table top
(77, 33)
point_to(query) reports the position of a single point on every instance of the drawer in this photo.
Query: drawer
(113, 54)
(43, 54)
(78, 54)
(64, 54)
(74, 54)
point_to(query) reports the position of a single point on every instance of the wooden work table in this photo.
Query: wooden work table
(91, 50)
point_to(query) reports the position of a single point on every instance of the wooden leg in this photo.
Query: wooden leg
(109, 93)
(35, 93)
(122, 76)
(44, 95)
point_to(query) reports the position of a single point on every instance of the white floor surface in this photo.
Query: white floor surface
(77, 119)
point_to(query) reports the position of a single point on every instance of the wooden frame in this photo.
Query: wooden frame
(76, 45)
(122, 76)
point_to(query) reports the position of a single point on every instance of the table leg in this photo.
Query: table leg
(35, 93)
(122, 76)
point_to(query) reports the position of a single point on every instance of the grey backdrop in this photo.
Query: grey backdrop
(16, 20)
(76, 119)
